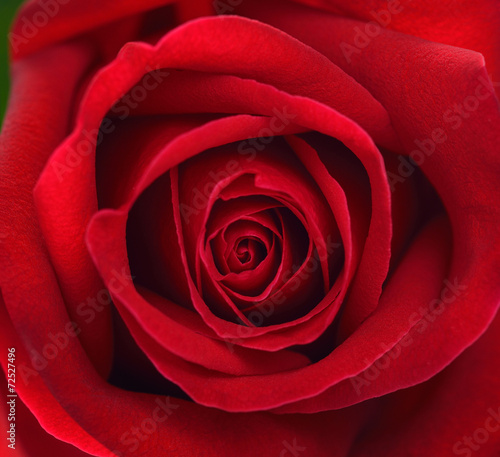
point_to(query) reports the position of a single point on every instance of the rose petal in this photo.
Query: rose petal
(40, 24)
(199, 91)
(436, 417)
(445, 22)
(33, 127)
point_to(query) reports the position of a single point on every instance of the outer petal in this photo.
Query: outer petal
(31, 438)
(181, 428)
(34, 126)
(40, 24)
(469, 24)
(455, 413)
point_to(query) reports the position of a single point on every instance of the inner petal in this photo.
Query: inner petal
(251, 259)
(241, 246)
(249, 252)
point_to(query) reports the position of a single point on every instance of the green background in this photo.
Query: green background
(8, 9)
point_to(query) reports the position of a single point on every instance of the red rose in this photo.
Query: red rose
(273, 232)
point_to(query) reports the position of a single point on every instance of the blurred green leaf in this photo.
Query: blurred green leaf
(8, 9)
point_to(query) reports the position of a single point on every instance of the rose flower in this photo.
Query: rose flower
(240, 228)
